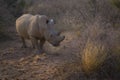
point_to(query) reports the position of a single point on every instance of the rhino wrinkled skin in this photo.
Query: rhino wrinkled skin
(35, 28)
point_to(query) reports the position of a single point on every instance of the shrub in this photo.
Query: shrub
(94, 50)
(93, 56)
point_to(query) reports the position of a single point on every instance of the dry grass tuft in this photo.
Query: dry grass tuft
(93, 56)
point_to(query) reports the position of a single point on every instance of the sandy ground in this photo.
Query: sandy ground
(57, 63)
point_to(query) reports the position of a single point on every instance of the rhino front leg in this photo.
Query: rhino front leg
(24, 44)
(36, 45)
(42, 41)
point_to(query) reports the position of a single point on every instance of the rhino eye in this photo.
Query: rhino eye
(47, 21)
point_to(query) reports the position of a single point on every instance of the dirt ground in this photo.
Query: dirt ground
(57, 63)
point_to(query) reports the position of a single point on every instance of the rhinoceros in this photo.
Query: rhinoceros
(37, 28)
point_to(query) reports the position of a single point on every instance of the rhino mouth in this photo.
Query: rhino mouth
(56, 45)
(60, 40)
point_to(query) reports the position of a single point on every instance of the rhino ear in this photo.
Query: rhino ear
(52, 21)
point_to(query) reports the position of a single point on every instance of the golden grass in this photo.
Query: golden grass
(93, 56)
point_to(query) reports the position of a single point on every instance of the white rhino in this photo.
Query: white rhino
(35, 28)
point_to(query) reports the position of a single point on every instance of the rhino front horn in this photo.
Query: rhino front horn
(62, 38)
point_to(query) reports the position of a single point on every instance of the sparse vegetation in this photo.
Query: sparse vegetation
(91, 24)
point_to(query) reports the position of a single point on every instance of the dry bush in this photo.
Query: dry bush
(101, 49)
(93, 56)
(95, 51)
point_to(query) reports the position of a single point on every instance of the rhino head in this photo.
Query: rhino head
(52, 36)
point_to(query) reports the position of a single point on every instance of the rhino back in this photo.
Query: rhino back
(22, 25)
(38, 26)
(26, 25)
(34, 29)
(31, 25)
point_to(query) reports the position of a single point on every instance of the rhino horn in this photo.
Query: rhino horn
(62, 38)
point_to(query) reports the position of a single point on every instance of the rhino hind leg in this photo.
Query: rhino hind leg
(23, 43)
(34, 42)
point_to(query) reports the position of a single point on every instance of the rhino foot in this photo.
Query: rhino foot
(39, 52)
